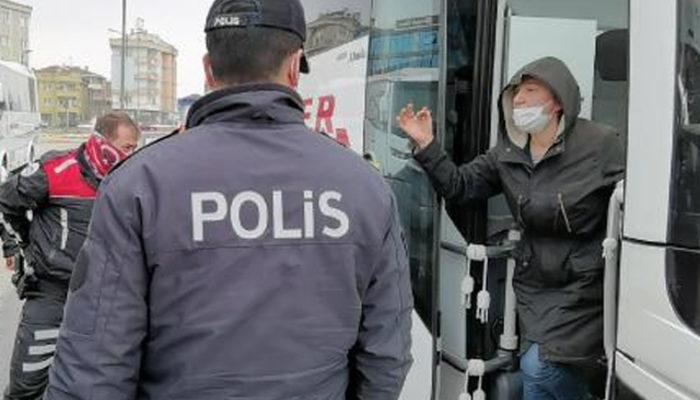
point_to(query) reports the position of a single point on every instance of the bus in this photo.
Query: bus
(20, 120)
(638, 65)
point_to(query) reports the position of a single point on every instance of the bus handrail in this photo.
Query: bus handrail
(611, 251)
(501, 251)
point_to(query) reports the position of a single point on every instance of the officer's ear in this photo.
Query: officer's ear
(209, 72)
(293, 73)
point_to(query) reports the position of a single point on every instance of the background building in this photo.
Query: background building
(14, 32)
(69, 96)
(150, 77)
(97, 93)
(333, 29)
(61, 96)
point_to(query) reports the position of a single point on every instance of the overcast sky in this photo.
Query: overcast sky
(76, 32)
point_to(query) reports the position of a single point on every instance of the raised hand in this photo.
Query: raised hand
(418, 127)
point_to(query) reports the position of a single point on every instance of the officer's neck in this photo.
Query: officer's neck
(277, 80)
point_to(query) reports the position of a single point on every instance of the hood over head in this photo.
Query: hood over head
(553, 73)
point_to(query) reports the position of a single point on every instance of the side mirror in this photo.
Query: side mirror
(31, 151)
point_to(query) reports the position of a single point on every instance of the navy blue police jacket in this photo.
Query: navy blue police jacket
(248, 258)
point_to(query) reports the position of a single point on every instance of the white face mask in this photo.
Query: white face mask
(532, 120)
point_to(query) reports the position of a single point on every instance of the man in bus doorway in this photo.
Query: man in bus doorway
(557, 172)
(59, 190)
(245, 258)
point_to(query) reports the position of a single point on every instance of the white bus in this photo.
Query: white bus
(638, 65)
(19, 114)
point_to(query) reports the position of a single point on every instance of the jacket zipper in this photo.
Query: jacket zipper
(520, 211)
(563, 212)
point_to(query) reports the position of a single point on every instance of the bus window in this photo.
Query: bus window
(684, 230)
(590, 37)
(404, 67)
(17, 89)
(337, 49)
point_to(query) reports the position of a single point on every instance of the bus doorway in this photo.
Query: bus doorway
(500, 37)
(370, 58)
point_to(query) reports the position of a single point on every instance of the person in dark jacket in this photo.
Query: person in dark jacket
(59, 191)
(247, 257)
(557, 172)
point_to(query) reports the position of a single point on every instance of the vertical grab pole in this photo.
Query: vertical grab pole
(509, 338)
(611, 252)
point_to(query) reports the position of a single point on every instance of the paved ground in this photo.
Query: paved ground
(10, 308)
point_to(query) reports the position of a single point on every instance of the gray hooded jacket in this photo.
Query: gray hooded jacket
(560, 204)
(247, 258)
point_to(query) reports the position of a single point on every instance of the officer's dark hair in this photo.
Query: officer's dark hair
(108, 124)
(252, 54)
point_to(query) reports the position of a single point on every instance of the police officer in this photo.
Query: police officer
(59, 190)
(246, 258)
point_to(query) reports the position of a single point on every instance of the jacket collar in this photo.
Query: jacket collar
(510, 152)
(87, 170)
(266, 101)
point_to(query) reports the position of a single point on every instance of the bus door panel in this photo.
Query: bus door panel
(650, 332)
(403, 67)
(659, 306)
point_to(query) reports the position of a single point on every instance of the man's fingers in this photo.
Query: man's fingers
(408, 113)
(401, 118)
(424, 114)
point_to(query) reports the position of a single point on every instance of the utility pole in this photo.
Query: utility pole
(138, 75)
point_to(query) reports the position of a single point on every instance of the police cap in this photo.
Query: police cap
(287, 15)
